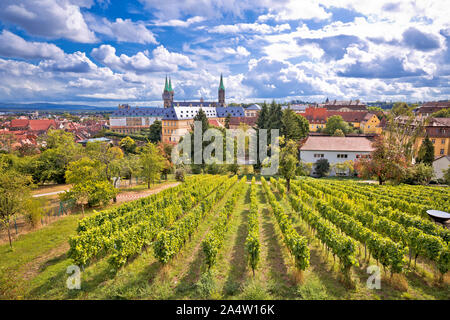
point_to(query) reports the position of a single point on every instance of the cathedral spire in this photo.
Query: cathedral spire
(221, 92)
(166, 86)
(221, 87)
(170, 85)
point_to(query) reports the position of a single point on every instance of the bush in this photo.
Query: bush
(179, 175)
(447, 176)
(206, 285)
(420, 173)
(34, 211)
(322, 167)
(196, 169)
(214, 168)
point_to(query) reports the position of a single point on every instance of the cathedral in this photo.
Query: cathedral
(168, 95)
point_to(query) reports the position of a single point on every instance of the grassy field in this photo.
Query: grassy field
(36, 268)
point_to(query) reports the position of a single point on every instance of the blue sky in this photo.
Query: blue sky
(106, 52)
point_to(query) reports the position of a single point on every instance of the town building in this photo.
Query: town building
(335, 150)
(438, 131)
(178, 120)
(130, 120)
(253, 110)
(179, 116)
(428, 108)
(37, 127)
(344, 106)
(317, 117)
(440, 165)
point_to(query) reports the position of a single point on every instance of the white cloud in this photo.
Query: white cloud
(260, 28)
(239, 51)
(14, 46)
(49, 18)
(295, 10)
(122, 30)
(75, 62)
(179, 23)
(162, 60)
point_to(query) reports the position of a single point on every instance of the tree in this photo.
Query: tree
(304, 169)
(14, 193)
(60, 149)
(152, 163)
(105, 154)
(426, 152)
(401, 109)
(385, 162)
(402, 132)
(303, 125)
(166, 150)
(338, 133)
(50, 166)
(322, 167)
(84, 169)
(227, 121)
(290, 125)
(201, 117)
(344, 167)
(155, 131)
(420, 173)
(447, 176)
(289, 161)
(128, 145)
(444, 113)
(275, 116)
(261, 122)
(336, 123)
(89, 184)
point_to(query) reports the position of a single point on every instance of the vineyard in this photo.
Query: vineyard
(221, 237)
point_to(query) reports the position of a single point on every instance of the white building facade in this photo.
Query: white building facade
(335, 150)
(440, 165)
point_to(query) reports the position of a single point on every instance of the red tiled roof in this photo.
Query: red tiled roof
(351, 116)
(214, 123)
(326, 143)
(250, 121)
(42, 125)
(437, 104)
(19, 123)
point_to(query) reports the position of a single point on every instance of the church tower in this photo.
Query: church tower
(221, 93)
(167, 95)
(171, 90)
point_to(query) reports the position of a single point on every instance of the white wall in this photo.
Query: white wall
(332, 157)
(439, 166)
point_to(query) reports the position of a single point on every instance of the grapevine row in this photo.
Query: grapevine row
(296, 244)
(214, 239)
(252, 244)
(169, 242)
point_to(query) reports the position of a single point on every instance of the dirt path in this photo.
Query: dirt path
(133, 195)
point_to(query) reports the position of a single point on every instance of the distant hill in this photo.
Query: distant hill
(50, 107)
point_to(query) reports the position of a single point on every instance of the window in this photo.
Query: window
(442, 151)
(433, 140)
(443, 141)
(342, 156)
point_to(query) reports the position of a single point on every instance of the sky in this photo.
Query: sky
(106, 52)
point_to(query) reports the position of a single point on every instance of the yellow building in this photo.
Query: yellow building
(178, 120)
(371, 124)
